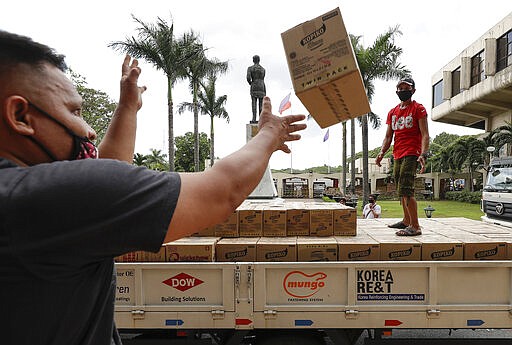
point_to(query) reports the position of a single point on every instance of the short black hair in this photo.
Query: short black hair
(15, 49)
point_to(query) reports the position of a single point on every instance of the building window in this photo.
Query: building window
(504, 51)
(477, 68)
(437, 93)
(456, 82)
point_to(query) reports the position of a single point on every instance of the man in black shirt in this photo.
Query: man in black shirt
(63, 218)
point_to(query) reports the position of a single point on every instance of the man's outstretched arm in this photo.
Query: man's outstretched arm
(119, 141)
(209, 197)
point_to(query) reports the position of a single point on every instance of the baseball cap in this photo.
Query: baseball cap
(408, 81)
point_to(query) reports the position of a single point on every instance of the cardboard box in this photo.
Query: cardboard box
(207, 232)
(274, 221)
(228, 228)
(130, 257)
(345, 221)
(324, 69)
(282, 249)
(191, 249)
(250, 219)
(297, 221)
(399, 248)
(482, 248)
(359, 248)
(320, 222)
(241, 249)
(437, 247)
(317, 249)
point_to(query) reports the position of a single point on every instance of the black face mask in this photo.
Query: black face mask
(404, 95)
(82, 147)
(371, 201)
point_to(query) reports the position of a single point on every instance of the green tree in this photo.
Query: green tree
(139, 159)
(97, 107)
(467, 152)
(209, 104)
(502, 137)
(156, 44)
(185, 148)
(379, 61)
(197, 69)
(156, 160)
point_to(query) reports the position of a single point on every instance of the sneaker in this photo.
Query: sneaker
(408, 231)
(399, 225)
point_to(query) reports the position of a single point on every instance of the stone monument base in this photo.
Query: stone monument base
(266, 188)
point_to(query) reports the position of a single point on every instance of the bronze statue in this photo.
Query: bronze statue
(255, 76)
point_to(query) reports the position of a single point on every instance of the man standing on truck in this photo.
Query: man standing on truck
(63, 218)
(407, 123)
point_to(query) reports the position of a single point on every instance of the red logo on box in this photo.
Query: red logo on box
(301, 285)
(183, 282)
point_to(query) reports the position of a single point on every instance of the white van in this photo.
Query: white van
(497, 193)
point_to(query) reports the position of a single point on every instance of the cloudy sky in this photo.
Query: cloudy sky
(434, 32)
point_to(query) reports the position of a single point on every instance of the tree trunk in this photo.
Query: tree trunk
(212, 142)
(170, 120)
(366, 180)
(344, 159)
(196, 130)
(352, 156)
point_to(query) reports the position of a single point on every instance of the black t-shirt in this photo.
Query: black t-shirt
(61, 225)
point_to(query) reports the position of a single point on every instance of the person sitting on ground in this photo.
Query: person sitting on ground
(371, 209)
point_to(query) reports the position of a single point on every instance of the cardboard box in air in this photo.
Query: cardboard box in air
(324, 69)
(241, 249)
(274, 221)
(191, 249)
(345, 221)
(250, 219)
(320, 221)
(317, 248)
(282, 249)
(228, 228)
(359, 248)
(438, 247)
(297, 220)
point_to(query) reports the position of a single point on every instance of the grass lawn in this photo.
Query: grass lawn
(444, 209)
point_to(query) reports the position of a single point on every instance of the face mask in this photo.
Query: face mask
(83, 148)
(404, 95)
(371, 201)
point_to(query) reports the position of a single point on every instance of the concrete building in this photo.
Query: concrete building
(474, 89)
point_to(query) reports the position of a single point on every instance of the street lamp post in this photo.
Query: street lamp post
(428, 211)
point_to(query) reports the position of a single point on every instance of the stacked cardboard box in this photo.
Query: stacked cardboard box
(282, 249)
(317, 248)
(236, 249)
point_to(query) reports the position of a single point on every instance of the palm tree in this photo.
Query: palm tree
(156, 160)
(209, 104)
(139, 159)
(467, 152)
(503, 136)
(379, 61)
(197, 69)
(156, 44)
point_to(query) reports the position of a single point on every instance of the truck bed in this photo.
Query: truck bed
(312, 295)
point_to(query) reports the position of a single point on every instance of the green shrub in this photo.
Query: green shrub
(465, 196)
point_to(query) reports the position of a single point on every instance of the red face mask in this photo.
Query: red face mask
(83, 148)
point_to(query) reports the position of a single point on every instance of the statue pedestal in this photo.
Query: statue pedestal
(266, 188)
